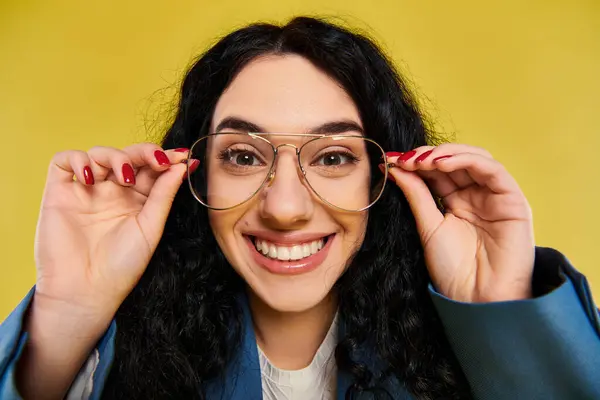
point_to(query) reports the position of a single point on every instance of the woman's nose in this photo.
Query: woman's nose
(285, 200)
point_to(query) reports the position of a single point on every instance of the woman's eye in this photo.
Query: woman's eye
(244, 158)
(334, 159)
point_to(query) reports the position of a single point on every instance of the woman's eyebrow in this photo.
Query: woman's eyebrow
(238, 124)
(335, 127)
(328, 128)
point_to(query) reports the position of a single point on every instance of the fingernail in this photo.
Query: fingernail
(194, 165)
(128, 175)
(162, 158)
(441, 158)
(88, 175)
(407, 156)
(423, 156)
(181, 149)
(391, 154)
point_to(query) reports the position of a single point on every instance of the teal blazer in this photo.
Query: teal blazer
(543, 348)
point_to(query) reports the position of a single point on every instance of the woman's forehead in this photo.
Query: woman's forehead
(285, 94)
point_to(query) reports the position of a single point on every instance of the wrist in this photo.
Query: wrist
(501, 294)
(61, 336)
(52, 317)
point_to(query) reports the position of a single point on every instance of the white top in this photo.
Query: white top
(316, 381)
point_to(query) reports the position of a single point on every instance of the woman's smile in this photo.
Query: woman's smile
(291, 254)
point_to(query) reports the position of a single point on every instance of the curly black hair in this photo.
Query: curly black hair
(181, 325)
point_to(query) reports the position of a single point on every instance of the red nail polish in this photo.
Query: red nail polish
(194, 165)
(88, 175)
(390, 154)
(441, 158)
(128, 174)
(181, 149)
(162, 158)
(407, 156)
(423, 156)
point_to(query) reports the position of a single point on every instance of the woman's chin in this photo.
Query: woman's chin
(288, 300)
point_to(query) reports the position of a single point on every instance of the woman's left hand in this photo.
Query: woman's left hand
(482, 249)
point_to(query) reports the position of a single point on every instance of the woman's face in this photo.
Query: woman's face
(287, 94)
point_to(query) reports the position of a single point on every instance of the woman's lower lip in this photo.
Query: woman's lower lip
(290, 267)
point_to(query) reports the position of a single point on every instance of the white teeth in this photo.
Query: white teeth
(314, 247)
(306, 250)
(285, 253)
(296, 253)
(272, 251)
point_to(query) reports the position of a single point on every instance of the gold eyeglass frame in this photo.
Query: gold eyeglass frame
(271, 173)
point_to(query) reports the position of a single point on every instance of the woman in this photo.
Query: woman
(284, 267)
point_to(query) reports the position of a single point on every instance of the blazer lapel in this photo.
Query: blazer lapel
(243, 377)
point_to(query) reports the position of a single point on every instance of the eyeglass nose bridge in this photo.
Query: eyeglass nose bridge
(271, 177)
(293, 146)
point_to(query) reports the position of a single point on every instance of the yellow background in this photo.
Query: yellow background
(520, 78)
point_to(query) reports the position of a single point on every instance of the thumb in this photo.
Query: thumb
(420, 200)
(154, 214)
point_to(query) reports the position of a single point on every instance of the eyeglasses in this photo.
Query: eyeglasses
(341, 170)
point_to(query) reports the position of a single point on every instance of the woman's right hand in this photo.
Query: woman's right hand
(94, 239)
(97, 233)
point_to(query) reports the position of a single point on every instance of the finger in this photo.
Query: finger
(146, 176)
(68, 164)
(423, 158)
(423, 205)
(107, 160)
(154, 214)
(440, 183)
(452, 181)
(406, 159)
(484, 171)
(143, 155)
(153, 156)
(461, 178)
